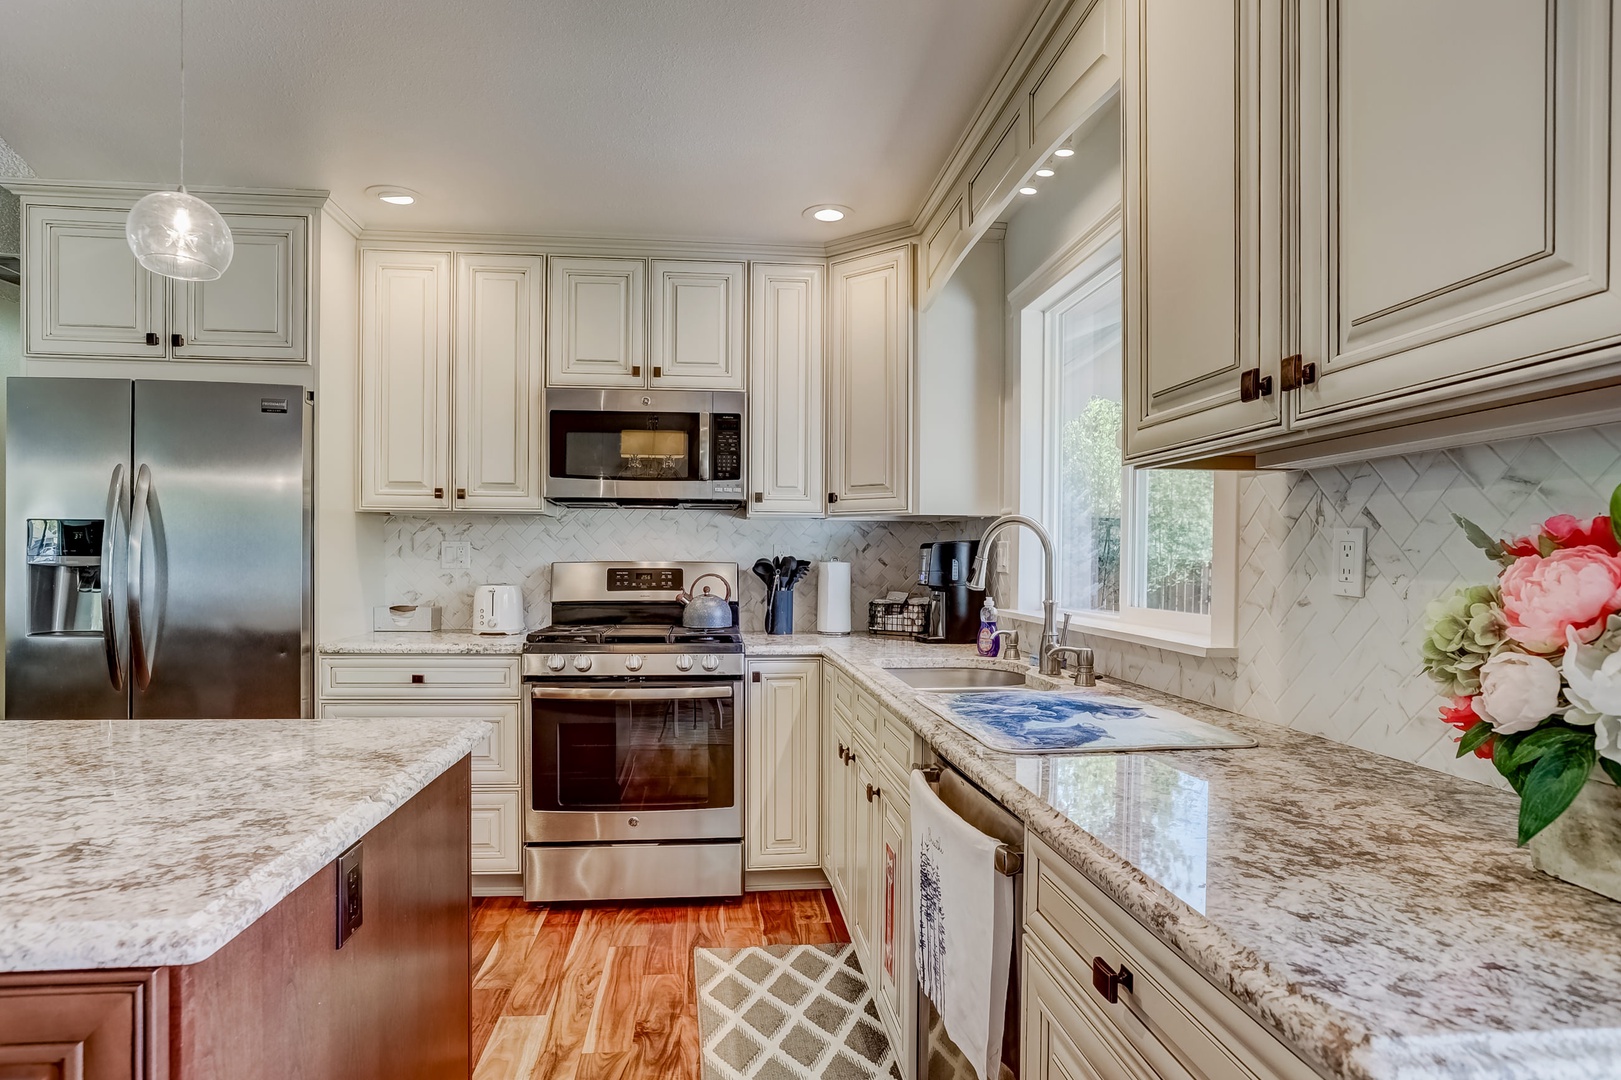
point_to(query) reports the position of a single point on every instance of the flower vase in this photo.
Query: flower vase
(1583, 845)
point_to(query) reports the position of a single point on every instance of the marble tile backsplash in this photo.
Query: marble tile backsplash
(520, 549)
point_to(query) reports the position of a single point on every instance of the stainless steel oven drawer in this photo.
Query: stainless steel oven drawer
(631, 871)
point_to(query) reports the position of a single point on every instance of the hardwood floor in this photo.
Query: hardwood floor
(605, 992)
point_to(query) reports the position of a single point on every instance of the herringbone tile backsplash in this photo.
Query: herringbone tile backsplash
(520, 550)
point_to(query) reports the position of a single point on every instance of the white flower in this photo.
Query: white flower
(1607, 736)
(1593, 677)
(1517, 692)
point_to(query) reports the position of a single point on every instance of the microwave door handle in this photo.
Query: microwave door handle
(117, 520)
(703, 445)
(630, 693)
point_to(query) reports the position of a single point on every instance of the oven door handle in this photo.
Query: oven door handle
(630, 693)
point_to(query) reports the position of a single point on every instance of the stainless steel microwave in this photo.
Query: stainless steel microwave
(645, 446)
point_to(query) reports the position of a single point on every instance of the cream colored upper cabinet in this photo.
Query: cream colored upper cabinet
(782, 787)
(785, 389)
(870, 383)
(86, 294)
(257, 309)
(697, 326)
(597, 325)
(1202, 283)
(499, 418)
(405, 380)
(1459, 199)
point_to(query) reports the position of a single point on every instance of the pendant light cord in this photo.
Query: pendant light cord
(182, 95)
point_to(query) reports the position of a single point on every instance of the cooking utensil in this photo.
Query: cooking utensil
(704, 610)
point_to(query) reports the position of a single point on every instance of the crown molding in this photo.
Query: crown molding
(586, 244)
(344, 219)
(88, 191)
(889, 234)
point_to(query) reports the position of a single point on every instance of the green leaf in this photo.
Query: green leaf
(1552, 785)
(1546, 545)
(1502, 751)
(1537, 743)
(1615, 513)
(1478, 733)
(1478, 537)
(1612, 769)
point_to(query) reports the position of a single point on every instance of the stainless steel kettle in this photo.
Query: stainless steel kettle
(704, 610)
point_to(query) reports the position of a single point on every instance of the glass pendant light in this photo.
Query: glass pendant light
(174, 233)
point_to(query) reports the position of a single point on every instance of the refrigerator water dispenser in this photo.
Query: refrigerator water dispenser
(64, 576)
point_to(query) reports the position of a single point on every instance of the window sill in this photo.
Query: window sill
(1154, 637)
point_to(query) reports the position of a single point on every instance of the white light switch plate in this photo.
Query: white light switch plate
(455, 555)
(1350, 556)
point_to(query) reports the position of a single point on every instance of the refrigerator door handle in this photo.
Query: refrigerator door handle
(117, 515)
(140, 515)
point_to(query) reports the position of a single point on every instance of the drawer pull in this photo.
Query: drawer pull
(873, 792)
(417, 679)
(1108, 982)
(844, 752)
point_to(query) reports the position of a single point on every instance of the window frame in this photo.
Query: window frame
(1033, 309)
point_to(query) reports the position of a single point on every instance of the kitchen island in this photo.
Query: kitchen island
(169, 897)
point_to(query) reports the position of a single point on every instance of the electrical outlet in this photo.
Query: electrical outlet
(455, 555)
(350, 911)
(1350, 555)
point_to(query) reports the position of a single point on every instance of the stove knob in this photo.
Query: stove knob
(683, 662)
(711, 663)
(556, 662)
(582, 663)
(633, 662)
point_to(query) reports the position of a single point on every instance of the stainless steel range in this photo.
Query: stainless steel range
(634, 769)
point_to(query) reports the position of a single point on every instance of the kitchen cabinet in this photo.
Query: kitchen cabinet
(451, 401)
(782, 779)
(697, 326)
(869, 427)
(1203, 291)
(87, 297)
(597, 327)
(836, 786)
(785, 388)
(475, 687)
(88, 1025)
(894, 986)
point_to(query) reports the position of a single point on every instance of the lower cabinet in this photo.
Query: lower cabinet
(94, 1025)
(782, 774)
(390, 689)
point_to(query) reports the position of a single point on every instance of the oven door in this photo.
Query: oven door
(647, 761)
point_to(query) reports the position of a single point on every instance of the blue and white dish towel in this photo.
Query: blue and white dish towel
(964, 920)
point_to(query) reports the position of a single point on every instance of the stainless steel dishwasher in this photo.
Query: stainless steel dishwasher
(937, 1056)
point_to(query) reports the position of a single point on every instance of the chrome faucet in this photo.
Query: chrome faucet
(1011, 652)
(1048, 663)
(1085, 674)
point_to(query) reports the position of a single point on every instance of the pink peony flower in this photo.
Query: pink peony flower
(1575, 587)
(1566, 531)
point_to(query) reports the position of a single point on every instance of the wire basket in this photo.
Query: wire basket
(902, 618)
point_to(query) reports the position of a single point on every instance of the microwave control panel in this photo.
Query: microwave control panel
(728, 438)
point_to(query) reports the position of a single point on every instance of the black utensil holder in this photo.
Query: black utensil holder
(779, 617)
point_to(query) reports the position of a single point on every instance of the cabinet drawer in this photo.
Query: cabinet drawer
(496, 760)
(895, 742)
(1179, 1022)
(864, 716)
(497, 845)
(841, 692)
(420, 678)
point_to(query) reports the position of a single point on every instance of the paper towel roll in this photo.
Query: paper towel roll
(833, 598)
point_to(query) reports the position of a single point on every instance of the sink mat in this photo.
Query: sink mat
(1056, 722)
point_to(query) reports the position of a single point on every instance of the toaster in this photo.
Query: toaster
(498, 609)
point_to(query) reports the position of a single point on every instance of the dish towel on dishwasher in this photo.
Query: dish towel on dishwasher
(963, 913)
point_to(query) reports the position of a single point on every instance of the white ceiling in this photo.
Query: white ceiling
(653, 118)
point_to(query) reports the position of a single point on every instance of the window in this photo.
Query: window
(1137, 550)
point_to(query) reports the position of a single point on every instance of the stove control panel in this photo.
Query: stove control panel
(544, 667)
(644, 579)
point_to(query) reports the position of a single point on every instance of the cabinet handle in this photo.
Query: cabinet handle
(754, 676)
(1297, 373)
(850, 756)
(438, 493)
(461, 493)
(179, 341)
(636, 371)
(419, 679)
(658, 372)
(152, 338)
(759, 496)
(873, 792)
(832, 496)
(1253, 386)
(843, 751)
(1109, 982)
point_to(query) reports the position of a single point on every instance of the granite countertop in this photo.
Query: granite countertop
(140, 843)
(424, 643)
(1374, 914)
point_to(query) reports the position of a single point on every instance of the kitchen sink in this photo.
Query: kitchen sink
(957, 679)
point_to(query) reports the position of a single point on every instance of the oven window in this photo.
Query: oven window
(634, 755)
(624, 446)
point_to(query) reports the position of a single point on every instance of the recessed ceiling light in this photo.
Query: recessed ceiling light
(826, 212)
(1044, 171)
(397, 196)
(1063, 151)
(1027, 191)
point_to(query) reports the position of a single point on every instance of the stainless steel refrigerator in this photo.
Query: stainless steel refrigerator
(157, 549)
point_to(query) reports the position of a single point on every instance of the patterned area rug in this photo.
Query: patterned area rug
(789, 1012)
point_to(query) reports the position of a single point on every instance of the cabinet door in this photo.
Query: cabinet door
(497, 840)
(892, 916)
(404, 380)
(1459, 200)
(496, 760)
(836, 805)
(785, 389)
(870, 387)
(783, 782)
(864, 870)
(697, 326)
(87, 296)
(257, 309)
(499, 417)
(1065, 1038)
(1203, 232)
(85, 1025)
(597, 325)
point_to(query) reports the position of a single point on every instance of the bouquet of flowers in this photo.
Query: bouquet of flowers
(1532, 662)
